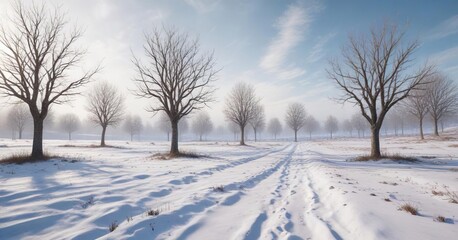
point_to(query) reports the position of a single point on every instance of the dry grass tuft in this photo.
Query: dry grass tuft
(393, 157)
(153, 212)
(113, 226)
(22, 157)
(440, 218)
(219, 188)
(168, 156)
(409, 208)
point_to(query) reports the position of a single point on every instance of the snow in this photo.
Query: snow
(271, 190)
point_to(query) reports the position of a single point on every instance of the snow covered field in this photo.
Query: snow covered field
(268, 190)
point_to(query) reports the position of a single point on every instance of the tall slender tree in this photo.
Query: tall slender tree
(241, 106)
(311, 125)
(442, 98)
(258, 122)
(202, 124)
(331, 125)
(70, 123)
(275, 127)
(106, 107)
(417, 105)
(18, 118)
(295, 117)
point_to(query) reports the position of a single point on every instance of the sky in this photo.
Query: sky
(282, 48)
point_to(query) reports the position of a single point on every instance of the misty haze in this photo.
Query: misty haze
(212, 119)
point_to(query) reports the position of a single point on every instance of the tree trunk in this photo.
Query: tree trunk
(174, 144)
(331, 134)
(275, 136)
(20, 133)
(375, 142)
(255, 137)
(168, 136)
(69, 136)
(242, 135)
(200, 137)
(37, 146)
(295, 135)
(310, 135)
(131, 137)
(442, 126)
(436, 129)
(421, 129)
(102, 141)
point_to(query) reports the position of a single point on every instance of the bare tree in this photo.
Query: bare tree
(106, 106)
(442, 97)
(165, 125)
(258, 122)
(417, 105)
(241, 106)
(18, 118)
(348, 126)
(275, 127)
(70, 123)
(176, 75)
(295, 117)
(202, 124)
(234, 129)
(399, 116)
(36, 57)
(311, 125)
(133, 125)
(360, 124)
(331, 125)
(376, 74)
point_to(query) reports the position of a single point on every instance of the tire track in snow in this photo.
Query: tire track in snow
(249, 226)
(191, 217)
(287, 218)
(320, 227)
(61, 199)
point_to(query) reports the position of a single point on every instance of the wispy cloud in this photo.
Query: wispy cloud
(444, 57)
(291, 27)
(318, 51)
(445, 28)
(203, 6)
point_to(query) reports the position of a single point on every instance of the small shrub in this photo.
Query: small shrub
(113, 226)
(440, 218)
(387, 200)
(218, 188)
(373, 194)
(153, 212)
(409, 208)
(129, 218)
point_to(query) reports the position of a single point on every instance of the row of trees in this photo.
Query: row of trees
(40, 59)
